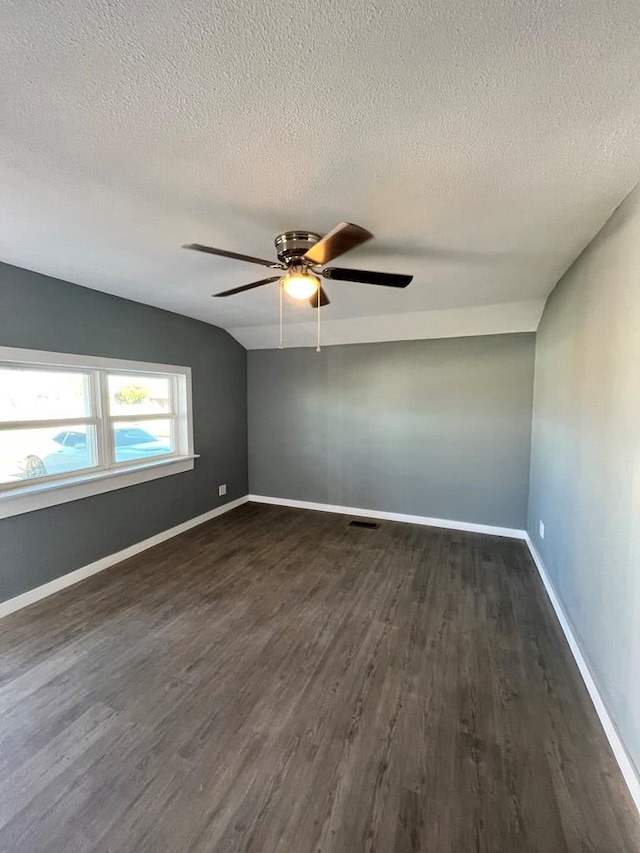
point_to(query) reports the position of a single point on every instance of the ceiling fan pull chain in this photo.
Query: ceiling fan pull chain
(280, 289)
(318, 310)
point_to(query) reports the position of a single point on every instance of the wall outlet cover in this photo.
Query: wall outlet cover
(222, 490)
(542, 529)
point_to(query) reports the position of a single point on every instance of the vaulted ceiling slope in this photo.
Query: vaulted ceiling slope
(484, 143)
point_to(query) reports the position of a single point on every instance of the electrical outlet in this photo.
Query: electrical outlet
(222, 490)
(542, 529)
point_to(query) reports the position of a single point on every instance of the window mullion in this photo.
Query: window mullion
(102, 403)
(177, 426)
(135, 418)
(51, 422)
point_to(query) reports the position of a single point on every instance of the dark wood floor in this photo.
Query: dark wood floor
(277, 681)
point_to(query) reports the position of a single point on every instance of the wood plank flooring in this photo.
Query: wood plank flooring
(276, 681)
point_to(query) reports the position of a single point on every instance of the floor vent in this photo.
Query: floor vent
(369, 525)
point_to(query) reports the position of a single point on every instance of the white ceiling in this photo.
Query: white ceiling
(484, 143)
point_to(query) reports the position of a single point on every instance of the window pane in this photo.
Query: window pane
(43, 394)
(139, 395)
(139, 441)
(27, 454)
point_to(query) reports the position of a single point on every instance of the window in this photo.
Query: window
(70, 420)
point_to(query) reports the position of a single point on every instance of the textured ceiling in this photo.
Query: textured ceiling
(484, 143)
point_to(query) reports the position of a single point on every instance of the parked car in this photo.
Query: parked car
(67, 451)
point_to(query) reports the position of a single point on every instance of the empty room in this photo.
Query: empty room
(319, 426)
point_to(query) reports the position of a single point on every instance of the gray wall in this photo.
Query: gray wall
(436, 428)
(37, 312)
(585, 470)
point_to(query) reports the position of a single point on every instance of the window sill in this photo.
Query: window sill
(38, 496)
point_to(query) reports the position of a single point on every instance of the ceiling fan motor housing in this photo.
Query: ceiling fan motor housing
(292, 245)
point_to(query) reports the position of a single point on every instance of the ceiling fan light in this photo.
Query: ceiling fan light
(300, 285)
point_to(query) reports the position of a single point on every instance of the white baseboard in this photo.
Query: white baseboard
(627, 767)
(39, 592)
(469, 527)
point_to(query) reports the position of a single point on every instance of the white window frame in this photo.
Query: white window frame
(56, 489)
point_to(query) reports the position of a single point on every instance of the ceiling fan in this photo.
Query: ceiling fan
(300, 256)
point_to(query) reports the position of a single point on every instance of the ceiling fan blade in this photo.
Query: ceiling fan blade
(324, 299)
(385, 279)
(247, 286)
(341, 239)
(197, 247)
